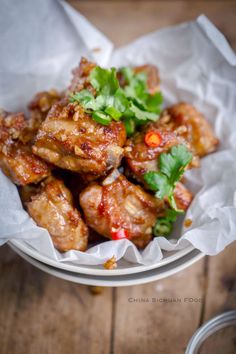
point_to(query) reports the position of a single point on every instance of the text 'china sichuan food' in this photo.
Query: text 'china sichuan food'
(102, 159)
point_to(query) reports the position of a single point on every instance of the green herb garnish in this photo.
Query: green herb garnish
(129, 126)
(136, 90)
(171, 168)
(164, 225)
(101, 118)
(132, 103)
(109, 98)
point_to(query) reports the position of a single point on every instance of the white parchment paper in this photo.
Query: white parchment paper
(42, 41)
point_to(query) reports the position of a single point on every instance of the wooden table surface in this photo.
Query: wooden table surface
(43, 314)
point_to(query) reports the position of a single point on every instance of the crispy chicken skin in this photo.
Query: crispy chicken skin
(183, 197)
(28, 191)
(197, 132)
(179, 124)
(52, 208)
(119, 204)
(80, 79)
(141, 158)
(71, 139)
(16, 158)
(73, 181)
(40, 106)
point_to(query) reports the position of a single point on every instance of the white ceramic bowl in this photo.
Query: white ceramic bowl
(120, 280)
(124, 267)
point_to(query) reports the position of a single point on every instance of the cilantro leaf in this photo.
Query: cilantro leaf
(171, 169)
(85, 97)
(172, 164)
(153, 102)
(127, 73)
(88, 101)
(141, 114)
(136, 90)
(158, 182)
(133, 103)
(104, 80)
(121, 102)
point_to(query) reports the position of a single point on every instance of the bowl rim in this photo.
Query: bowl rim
(122, 280)
(124, 267)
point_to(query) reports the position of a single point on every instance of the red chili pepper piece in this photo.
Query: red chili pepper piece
(119, 234)
(153, 139)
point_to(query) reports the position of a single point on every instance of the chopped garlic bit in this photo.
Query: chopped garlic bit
(188, 222)
(110, 263)
(96, 290)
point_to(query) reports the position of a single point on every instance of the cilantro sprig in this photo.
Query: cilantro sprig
(132, 103)
(171, 168)
(109, 103)
(137, 92)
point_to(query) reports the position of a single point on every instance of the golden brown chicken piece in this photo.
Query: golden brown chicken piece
(39, 108)
(28, 191)
(183, 197)
(71, 139)
(117, 205)
(16, 159)
(80, 78)
(73, 181)
(141, 158)
(192, 126)
(52, 208)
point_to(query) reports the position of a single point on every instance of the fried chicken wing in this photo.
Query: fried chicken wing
(39, 108)
(71, 139)
(141, 158)
(12, 126)
(119, 204)
(196, 129)
(183, 196)
(16, 158)
(28, 191)
(80, 78)
(73, 181)
(52, 208)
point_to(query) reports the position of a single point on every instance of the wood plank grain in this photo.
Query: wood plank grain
(221, 288)
(141, 327)
(159, 317)
(43, 314)
(220, 297)
(223, 341)
(123, 21)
